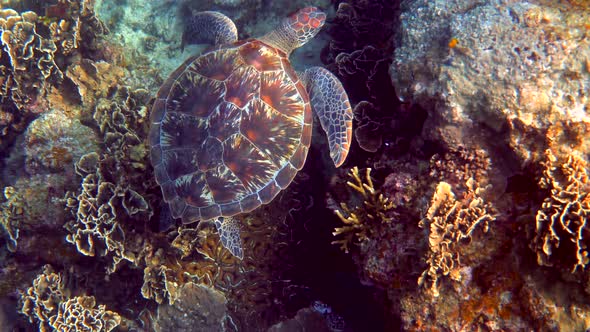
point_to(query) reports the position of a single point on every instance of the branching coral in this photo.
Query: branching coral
(562, 233)
(451, 221)
(359, 222)
(47, 303)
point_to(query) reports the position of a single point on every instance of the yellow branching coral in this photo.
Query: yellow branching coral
(450, 221)
(562, 233)
(358, 221)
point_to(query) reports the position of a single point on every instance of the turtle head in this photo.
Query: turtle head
(304, 24)
(296, 29)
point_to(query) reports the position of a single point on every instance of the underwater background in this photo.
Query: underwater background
(463, 204)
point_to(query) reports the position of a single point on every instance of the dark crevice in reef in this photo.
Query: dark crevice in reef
(328, 272)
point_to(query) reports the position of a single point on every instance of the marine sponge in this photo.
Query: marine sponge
(450, 221)
(360, 222)
(562, 234)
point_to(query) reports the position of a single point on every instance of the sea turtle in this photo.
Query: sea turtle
(231, 127)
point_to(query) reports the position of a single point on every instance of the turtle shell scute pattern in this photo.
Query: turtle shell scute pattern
(229, 130)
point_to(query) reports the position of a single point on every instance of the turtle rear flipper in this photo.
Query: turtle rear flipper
(209, 28)
(330, 102)
(229, 234)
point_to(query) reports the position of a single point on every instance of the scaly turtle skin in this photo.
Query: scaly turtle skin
(230, 128)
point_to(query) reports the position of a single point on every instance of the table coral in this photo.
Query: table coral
(451, 221)
(562, 235)
(359, 221)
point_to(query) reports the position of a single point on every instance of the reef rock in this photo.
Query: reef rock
(198, 308)
(503, 69)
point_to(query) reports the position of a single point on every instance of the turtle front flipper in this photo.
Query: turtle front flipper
(209, 28)
(229, 234)
(330, 102)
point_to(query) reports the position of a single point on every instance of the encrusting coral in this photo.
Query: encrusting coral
(562, 235)
(451, 221)
(358, 221)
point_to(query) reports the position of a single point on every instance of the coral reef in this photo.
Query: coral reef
(359, 52)
(477, 173)
(515, 92)
(358, 221)
(79, 314)
(54, 141)
(562, 235)
(317, 317)
(198, 307)
(48, 304)
(450, 222)
(36, 51)
(112, 180)
(11, 215)
(40, 302)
